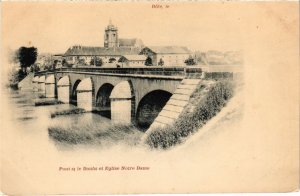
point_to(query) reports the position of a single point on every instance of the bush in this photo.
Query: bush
(15, 76)
(47, 102)
(93, 133)
(205, 107)
(68, 112)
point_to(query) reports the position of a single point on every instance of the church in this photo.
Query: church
(130, 52)
(114, 48)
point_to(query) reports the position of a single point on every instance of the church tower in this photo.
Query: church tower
(111, 39)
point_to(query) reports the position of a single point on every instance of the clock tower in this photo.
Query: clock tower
(111, 39)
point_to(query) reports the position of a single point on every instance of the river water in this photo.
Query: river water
(32, 160)
(36, 121)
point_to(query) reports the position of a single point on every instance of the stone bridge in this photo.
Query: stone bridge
(126, 95)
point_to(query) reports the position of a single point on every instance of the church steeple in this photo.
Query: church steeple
(111, 39)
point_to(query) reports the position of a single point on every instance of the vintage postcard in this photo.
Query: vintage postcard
(148, 97)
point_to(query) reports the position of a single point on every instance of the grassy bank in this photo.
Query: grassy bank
(47, 102)
(41, 96)
(207, 100)
(105, 133)
(68, 112)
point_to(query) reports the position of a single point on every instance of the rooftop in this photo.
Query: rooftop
(169, 49)
(98, 51)
(135, 57)
(130, 42)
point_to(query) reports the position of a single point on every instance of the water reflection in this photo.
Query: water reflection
(37, 120)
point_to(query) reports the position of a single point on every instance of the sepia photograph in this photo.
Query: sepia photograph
(149, 97)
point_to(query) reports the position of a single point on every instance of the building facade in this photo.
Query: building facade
(132, 61)
(114, 48)
(167, 55)
(132, 51)
(111, 39)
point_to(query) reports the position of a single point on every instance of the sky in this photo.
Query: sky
(54, 27)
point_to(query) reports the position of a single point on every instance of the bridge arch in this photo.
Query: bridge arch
(73, 95)
(42, 84)
(50, 86)
(85, 94)
(35, 83)
(150, 106)
(63, 89)
(103, 104)
(122, 103)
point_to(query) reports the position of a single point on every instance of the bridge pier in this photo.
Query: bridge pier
(63, 89)
(50, 86)
(122, 103)
(84, 93)
(41, 84)
(35, 83)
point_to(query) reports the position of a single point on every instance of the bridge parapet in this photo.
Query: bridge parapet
(44, 72)
(160, 72)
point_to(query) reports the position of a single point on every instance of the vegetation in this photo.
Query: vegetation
(96, 61)
(65, 63)
(161, 62)
(15, 78)
(148, 61)
(68, 112)
(112, 60)
(34, 68)
(41, 96)
(122, 59)
(190, 61)
(47, 102)
(27, 57)
(93, 133)
(81, 62)
(203, 106)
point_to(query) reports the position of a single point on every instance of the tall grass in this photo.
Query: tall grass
(68, 112)
(205, 103)
(95, 133)
(47, 102)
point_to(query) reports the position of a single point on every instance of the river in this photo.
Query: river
(32, 160)
(36, 120)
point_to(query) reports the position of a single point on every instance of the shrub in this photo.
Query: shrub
(93, 133)
(47, 102)
(206, 105)
(68, 112)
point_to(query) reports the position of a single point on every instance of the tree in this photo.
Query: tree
(48, 67)
(148, 61)
(190, 61)
(161, 62)
(111, 60)
(65, 63)
(27, 57)
(96, 61)
(54, 64)
(34, 68)
(81, 62)
(122, 59)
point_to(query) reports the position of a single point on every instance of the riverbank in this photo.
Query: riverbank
(205, 103)
(105, 134)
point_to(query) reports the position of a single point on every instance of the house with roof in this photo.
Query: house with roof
(86, 54)
(132, 61)
(132, 52)
(166, 55)
(112, 40)
(114, 48)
